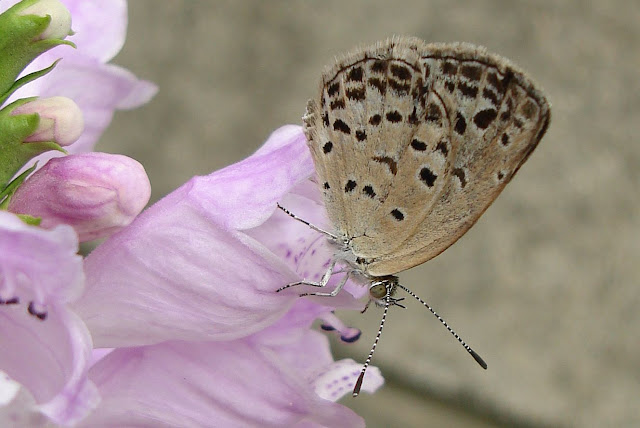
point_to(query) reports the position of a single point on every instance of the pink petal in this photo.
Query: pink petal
(100, 26)
(230, 384)
(50, 359)
(38, 265)
(244, 195)
(181, 270)
(45, 347)
(111, 88)
(338, 378)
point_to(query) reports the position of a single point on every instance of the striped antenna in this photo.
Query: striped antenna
(473, 353)
(387, 303)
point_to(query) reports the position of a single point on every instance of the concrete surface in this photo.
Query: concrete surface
(544, 287)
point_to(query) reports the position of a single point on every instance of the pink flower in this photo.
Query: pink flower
(95, 193)
(83, 74)
(187, 292)
(45, 346)
(204, 262)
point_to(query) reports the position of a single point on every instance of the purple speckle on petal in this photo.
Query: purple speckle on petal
(11, 301)
(37, 311)
(352, 336)
(327, 327)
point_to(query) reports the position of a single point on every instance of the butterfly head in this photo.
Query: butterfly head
(381, 287)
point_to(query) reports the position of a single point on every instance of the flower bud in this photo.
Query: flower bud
(60, 25)
(95, 193)
(60, 120)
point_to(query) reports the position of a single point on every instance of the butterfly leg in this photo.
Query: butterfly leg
(323, 281)
(335, 291)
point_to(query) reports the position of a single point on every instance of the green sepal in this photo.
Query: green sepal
(30, 220)
(10, 189)
(14, 152)
(26, 79)
(20, 43)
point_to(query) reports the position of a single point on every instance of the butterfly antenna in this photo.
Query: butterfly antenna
(356, 388)
(473, 353)
(316, 228)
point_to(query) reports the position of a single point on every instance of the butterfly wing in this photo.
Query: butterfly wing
(497, 117)
(412, 142)
(369, 104)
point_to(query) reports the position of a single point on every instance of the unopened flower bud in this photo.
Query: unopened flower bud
(60, 120)
(95, 193)
(60, 25)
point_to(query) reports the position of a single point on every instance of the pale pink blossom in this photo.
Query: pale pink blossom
(45, 346)
(95, 193)
(187, 296)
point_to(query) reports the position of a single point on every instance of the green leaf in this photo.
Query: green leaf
(10, 189)
(26, 79)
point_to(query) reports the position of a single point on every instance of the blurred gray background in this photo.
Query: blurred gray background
(544, 287)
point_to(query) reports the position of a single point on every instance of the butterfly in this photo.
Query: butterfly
(411, 143)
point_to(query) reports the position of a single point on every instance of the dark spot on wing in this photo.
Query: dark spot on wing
(490, 95)
(449, 68)
(339, 125)
(461, 124)
(379, 84)
(355, 74)
(349, 186)
(400, 71)
(443, 148)
(418, 145)
(450, 86)
(393, 166)
(427, 176)
(333, 89)
(327, 147)
(467, 90)
(459, 172)
(368, 190)
(379, 66)
(483, 118)
(337, 104)
(400, 88)
(357, 94)
(434, 114)
(472, 72)
(397, 214)
(394, 116)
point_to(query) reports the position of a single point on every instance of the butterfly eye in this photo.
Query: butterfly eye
(378, 291)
